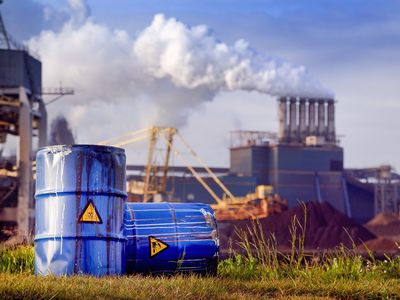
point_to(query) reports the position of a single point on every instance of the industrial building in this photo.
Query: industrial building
(303, 162)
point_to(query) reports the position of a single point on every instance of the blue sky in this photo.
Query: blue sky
(351, 46)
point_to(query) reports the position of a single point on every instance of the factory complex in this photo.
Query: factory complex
(303, 162)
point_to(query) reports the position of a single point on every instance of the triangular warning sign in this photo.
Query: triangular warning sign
(156, 246)
(90, 214)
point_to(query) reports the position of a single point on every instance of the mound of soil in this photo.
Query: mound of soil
(383, 219)
(325, 228)
(380, 245)
(385, 225)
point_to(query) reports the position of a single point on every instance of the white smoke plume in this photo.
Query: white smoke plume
(170, 66)
(79, 10)
(193, 58)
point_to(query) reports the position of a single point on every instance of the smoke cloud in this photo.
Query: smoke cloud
(171, 67)
(191, 57)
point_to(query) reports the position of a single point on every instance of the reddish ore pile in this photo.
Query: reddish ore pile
(385, 225)
(379, 245)
(325, 228)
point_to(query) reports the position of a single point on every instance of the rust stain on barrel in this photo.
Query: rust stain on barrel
(79, 170)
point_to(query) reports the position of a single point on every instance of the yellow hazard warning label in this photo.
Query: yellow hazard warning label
(90, 214)
(156, 246)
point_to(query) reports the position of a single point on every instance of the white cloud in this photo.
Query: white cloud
(161, 76)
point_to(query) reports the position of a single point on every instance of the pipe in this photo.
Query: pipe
(318, 187)
(293, 119)
(311, 117)
(321, 118)
(282, 114)
(346, 198)
(302, 119)
(24, 164)
(42, 124)
(331, 121)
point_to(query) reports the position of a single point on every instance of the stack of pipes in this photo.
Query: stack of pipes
(302, 117)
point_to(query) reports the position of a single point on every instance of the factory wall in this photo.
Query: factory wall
(316, 174)
(188, 189)
(361, 200)
(303, 158)
(300, 173)
(251, 161)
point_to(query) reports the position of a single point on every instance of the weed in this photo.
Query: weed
(260, 258)
(17, 260)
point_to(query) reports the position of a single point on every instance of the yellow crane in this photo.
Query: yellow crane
(153, 184)
(155, 176)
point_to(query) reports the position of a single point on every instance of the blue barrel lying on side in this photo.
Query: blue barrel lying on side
(170, 237)
(80, 197)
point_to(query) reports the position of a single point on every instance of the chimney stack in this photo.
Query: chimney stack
(302, 119)
(311, 117)
(321, 118)
(331, 121)
(293, 119)
(282, 119)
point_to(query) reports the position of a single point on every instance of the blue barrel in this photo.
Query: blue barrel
(170, 237)
(80, 197)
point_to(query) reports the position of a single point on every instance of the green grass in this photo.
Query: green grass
(342, 276)
(17, 286)
(260, 258)
(17, 260)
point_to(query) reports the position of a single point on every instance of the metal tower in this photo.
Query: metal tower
(4, 40)
(22, 113)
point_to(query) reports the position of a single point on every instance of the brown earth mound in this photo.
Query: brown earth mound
(325, 228)
(383, 219)
(380, 245)
(385, 225)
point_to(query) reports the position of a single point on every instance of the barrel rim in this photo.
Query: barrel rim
(85, 146)
(83, 236)
(175, 203)
(101, 192)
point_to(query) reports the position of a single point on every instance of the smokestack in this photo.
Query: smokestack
(302, 119)
(293, 119)
(60, 133)
(311, 117)
(321, 118)
(331, 121)
(282, 119)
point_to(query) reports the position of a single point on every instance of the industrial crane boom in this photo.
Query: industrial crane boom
(167, 134)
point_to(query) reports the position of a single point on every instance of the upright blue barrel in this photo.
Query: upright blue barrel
(170, 237)
(80, 197)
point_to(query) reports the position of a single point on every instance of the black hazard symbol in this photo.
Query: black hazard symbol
(90, 214)
(156, 246)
